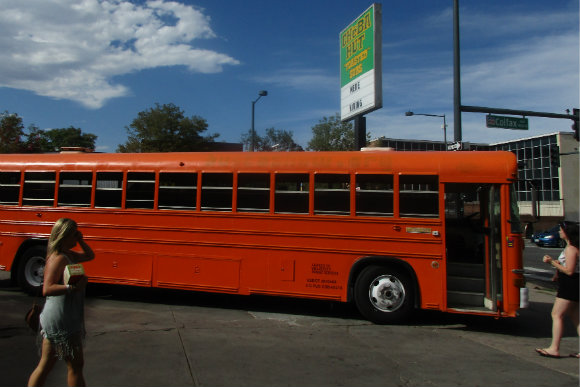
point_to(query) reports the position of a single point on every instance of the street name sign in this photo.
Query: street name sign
(361, 88)
(505, 122)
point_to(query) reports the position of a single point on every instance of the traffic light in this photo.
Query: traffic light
(575, 124)
(554, 155)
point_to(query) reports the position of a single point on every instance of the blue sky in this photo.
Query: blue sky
(96, 64)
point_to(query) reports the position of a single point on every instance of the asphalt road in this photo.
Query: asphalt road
(152, 337)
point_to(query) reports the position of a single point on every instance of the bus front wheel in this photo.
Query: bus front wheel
(31, 270)
(384, 295)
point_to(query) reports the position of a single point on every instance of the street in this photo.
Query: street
(151, 337)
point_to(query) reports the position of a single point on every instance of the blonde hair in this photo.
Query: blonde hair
(61, 230)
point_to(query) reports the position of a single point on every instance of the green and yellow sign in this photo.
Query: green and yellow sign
(356, 47)
(360, 64)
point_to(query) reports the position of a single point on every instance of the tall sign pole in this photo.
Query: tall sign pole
(361, 89)
(456, 75)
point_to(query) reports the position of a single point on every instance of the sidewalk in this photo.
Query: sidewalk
(154, 342)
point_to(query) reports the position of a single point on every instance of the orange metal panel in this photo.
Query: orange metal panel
(194, 272)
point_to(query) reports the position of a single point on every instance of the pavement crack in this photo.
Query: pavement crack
(190, 368)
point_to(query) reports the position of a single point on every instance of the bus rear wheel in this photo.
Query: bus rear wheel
(384, 295)
(31, 270)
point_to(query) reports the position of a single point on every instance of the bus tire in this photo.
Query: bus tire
(384, 295)
(31, 270)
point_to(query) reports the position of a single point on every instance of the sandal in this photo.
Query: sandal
(543, 352)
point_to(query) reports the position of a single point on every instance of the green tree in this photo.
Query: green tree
(331, 134)
(36, 141)
(274, 140)
(53, 140)
(13, 139)
(165, 128)
(68, 137)
(11, 132)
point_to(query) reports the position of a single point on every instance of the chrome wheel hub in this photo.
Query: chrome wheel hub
(386, 293)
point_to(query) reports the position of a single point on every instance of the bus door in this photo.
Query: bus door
(493, 278)
(473, 246)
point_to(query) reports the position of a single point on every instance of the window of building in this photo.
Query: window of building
(535, 166)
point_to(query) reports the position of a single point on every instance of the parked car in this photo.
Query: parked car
(549, 238)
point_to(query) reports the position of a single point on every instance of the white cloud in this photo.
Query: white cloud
(69, 49)
(531, 75)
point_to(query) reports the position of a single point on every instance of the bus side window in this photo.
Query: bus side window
(374, 195)
(177, 191)
(74, 189)
(39, 189)
(140, 190)
(332, 194)
(109, 190)
(419, 196)
(216, 191)
(253, 192)
(292, 192)
(9, 188)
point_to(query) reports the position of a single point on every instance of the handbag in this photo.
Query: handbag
(32, 317)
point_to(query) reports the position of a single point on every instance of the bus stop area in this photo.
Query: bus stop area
(151, 337)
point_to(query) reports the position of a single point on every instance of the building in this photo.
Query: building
(419, 145)
(548, 162)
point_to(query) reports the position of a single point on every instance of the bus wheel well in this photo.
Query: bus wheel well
(391, 262)
(26, 245)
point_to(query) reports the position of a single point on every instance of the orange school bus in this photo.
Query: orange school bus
(389, 231)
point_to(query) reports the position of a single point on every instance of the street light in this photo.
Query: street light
(408, 114)
(261, 93)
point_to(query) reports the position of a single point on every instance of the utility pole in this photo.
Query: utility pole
(456, 76)
(360, 132)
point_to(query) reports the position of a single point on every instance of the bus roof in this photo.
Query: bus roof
(480, 166)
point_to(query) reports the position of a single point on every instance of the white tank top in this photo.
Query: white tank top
(562, 261)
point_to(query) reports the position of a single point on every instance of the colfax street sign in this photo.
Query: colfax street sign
(516, 123)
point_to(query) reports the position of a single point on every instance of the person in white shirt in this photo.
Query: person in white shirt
(566, 303)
